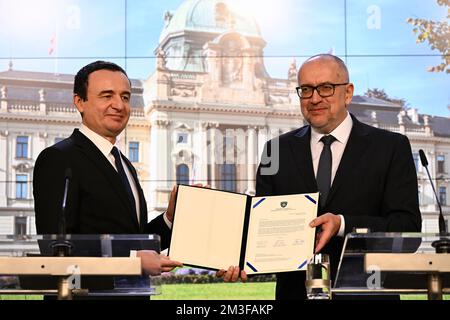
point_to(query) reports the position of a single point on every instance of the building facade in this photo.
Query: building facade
(202, 116)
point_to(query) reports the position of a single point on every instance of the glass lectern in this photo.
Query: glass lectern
(392, 263)
(94, 265)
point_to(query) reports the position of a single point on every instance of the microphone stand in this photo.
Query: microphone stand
(61, 247)
(441, 246)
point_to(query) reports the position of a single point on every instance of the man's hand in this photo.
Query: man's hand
(330, 224)
(232, 274)
(153, 264)
(171, 208)
(173, 195)
(168, 265)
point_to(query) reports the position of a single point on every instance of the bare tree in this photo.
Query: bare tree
(380, 94)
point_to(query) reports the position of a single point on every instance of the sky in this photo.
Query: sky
(372, 36)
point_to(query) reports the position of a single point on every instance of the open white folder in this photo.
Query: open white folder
(216, 229)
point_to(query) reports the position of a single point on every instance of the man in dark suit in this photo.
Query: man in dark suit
(366, 176)
(104, 196)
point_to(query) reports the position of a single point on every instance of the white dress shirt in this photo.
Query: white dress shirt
(105, 148)
(341, 133)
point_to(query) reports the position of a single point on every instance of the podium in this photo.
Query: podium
(392, 263)
(95, 265)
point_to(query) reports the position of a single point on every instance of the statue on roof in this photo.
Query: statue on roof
(167, 17)
(3, 92)
(292, 72)
(161, 59)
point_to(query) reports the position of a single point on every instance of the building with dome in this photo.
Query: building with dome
(210, 101)
(202, 116)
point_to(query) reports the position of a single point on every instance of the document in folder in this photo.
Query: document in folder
(216, 229)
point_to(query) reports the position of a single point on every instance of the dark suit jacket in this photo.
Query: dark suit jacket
(97, 201)
(375, 187)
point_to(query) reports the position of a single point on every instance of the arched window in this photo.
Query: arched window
(182, 174)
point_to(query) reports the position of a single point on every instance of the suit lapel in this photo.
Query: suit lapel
(357, 144)
(104, 166)
(301, 149)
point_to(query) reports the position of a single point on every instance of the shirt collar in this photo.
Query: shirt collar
(341, 132)
(101, 143)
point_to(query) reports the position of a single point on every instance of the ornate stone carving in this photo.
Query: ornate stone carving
(213, 125)
(183, 90)
(278, 98)
(232, 68)
(23, 167)
(161, 124)
(232, 61)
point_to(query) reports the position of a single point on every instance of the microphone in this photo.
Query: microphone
(62, 217)
(61, 247)
(443, 244)
(424, 161)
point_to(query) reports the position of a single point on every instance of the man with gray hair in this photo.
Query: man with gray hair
(366, 176)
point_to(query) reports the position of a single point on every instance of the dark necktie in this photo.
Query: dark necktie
(115, 152)
(324, 169)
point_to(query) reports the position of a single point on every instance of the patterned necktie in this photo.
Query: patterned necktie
(115, 152)
(324, 169)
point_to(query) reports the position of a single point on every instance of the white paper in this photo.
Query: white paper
(279, 236)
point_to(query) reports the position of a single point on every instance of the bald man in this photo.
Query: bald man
(366, 176)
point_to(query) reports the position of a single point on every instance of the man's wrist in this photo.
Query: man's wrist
(341, 232)
(167, 221)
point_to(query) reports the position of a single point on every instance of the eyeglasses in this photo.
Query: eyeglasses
(324, 90)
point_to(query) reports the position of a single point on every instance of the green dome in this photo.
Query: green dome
(214, 16)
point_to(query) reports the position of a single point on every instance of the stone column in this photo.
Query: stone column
(38, 143)
(212, 128)
(251, 159)
(262, 139)
(200, 161)
(4, 167)
(159, 165)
